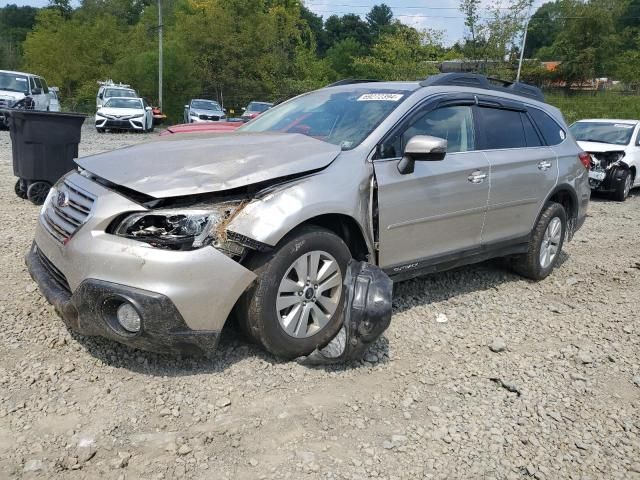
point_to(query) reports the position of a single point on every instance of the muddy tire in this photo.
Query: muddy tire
(623, 188)
(545, 245)
(295, 304)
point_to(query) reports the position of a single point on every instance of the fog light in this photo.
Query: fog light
(128, 317)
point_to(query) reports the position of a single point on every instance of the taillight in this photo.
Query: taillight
(585, 159)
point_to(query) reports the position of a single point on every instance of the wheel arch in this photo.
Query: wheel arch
(347, 228)
(565, 195)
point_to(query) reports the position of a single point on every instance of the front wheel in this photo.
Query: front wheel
(623, 188)
(545, 244)
(295, 305)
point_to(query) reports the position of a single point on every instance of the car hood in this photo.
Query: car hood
(199, 111)
(597, 147)
(188, 164)
(120, 112)
(9, 95)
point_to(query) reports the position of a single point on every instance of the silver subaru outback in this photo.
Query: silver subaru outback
(158, 244)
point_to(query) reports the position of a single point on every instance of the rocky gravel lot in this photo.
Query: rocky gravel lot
(481, 375)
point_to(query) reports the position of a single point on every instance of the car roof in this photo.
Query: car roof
(261, 103)
(12, 72)
(204, 100)
(125, 98)
(608, 120)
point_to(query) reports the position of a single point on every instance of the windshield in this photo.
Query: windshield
(603, 132)
(119, 92)
(344, 118)
(258, 107)
(123, 103)
(205, 105)
(14, 83)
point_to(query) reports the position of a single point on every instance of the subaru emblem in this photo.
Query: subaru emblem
(62, 200)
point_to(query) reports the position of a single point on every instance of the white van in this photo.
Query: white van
(109, 89)
(14, 86)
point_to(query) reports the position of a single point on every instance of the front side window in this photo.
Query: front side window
(344, 118)
(14, 83)
(45, 87)
(454, 124)
(603, 132)
(123, 103)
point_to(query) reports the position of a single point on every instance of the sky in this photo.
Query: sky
(435, 14)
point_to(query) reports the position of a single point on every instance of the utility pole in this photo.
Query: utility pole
(524, 41)
(160, 54)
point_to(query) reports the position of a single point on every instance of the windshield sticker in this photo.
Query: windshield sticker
(562, 135)
(21, 79)
(380, 97)
(623, 125)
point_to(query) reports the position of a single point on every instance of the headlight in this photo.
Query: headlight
(181, 229)
(98, 114)
(139, 115)
(194, 114)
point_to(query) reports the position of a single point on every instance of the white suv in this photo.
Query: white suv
(109, 90)
(15, 86)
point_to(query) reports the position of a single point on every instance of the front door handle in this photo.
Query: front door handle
(477, 177)
(544, 165)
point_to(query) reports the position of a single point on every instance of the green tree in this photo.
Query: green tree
(401, 55)
(341, 58)
(379, 19)
(347, 26)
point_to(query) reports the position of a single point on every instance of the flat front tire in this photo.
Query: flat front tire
(545, 244)
(295, 304)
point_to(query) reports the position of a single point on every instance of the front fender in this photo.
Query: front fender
(269, 216)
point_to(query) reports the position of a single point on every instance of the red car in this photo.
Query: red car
(254, 109)
(202, 127)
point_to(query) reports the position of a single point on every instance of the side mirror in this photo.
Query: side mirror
(186, 106)
(148, 109)
(422, 148)
(244, 108)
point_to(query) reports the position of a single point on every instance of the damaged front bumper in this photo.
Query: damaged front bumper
(90, 310)
(608, 171)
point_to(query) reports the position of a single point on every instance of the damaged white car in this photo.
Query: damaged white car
(614, 149)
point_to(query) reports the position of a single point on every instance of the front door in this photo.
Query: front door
(438, 209)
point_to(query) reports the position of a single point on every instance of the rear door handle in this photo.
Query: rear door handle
(477, 177)
(544, 165)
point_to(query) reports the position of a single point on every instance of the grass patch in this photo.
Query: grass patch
(581, 105)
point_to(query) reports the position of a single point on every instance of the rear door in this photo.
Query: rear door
(523, 169)
(439, 208)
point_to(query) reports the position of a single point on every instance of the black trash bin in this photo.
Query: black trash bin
(44, 145)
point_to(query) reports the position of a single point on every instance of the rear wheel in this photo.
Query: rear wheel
(623, 188)
(37, 192)
(100, 130)
(545, 244)
(295, 304)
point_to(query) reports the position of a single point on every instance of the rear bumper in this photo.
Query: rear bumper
(89, 311)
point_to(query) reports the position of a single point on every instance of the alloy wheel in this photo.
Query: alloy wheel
(309, 294)
(550, 242)
(627, 186)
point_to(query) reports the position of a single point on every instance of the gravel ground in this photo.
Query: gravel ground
(481, 375)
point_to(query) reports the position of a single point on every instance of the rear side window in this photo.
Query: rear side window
(45, 87)
(502, 128)
(553, 133)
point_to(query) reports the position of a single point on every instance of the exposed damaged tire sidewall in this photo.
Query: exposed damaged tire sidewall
(257, 309)
(528, 265)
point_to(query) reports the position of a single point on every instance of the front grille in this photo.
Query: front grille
(55, 274)
(215, 118)
(4, 103)
(66, 211)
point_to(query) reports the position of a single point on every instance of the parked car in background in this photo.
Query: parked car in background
(54, 100)
(415, 177)
(254, 109)
(109, 89)
(202, 110)
(124, 113)
(203, 127)
(20, 87)
(614, 149)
